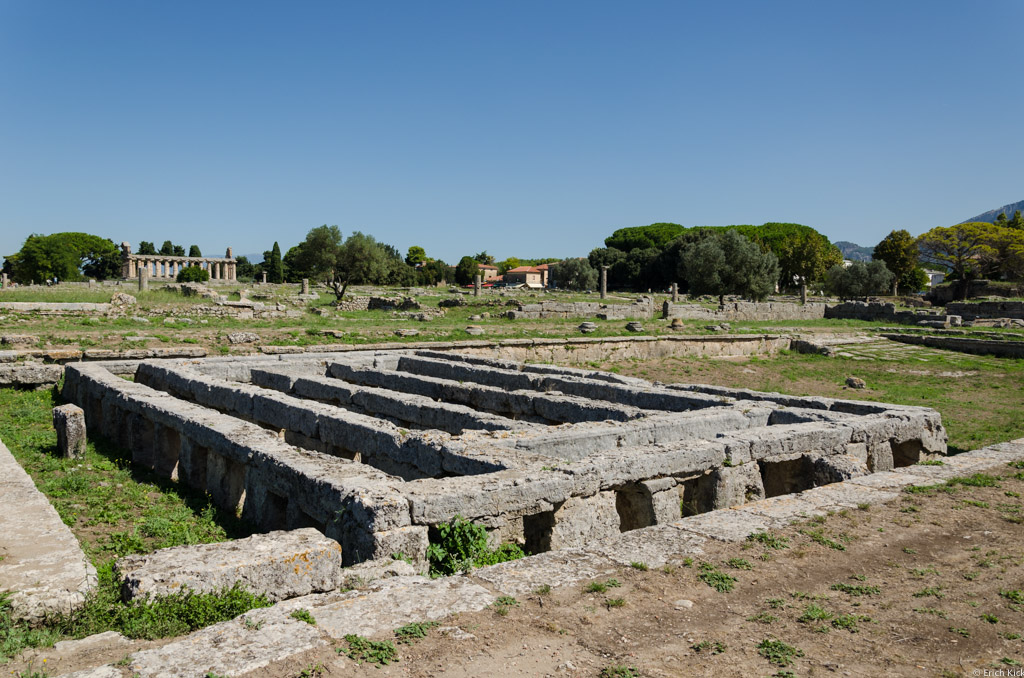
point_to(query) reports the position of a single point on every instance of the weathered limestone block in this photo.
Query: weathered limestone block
(280, 565)
(69, 421)
(581, 521)
(837, 468)
(229, 648)
(735, 485)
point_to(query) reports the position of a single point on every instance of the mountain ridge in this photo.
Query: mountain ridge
(990, 216)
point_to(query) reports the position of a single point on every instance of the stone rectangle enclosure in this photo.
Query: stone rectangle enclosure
(375, 448)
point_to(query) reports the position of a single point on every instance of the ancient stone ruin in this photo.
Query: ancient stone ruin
(373, 449)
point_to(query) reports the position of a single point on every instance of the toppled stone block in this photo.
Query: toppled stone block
(17, 339)
(69, 421)
(855, 382)
(243, 338)
(280, 565)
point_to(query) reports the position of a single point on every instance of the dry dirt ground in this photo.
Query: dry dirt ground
(933, 587)
(945, 567)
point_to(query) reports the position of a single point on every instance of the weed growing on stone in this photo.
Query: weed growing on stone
(303, 615)
(716, 579)
(461, 544)
(151, 618)
(16, 635)
(410, 633)
(778, 652)
(362, 650)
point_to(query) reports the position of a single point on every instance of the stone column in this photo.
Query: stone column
(233, 273)
(604, 282)
(675, 293)
(264, 277)
(305, 285)
(144, 278)
(3, 281)
(69, 421)
(476, 285)
(213, 270)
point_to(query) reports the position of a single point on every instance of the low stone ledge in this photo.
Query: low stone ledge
(280, 565)
(43, 565)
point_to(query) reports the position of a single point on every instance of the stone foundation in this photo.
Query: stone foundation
(374, 449)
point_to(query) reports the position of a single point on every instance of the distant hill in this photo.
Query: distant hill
(991, 215)
(853, 251)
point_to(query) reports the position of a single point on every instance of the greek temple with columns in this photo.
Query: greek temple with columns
(162, 266)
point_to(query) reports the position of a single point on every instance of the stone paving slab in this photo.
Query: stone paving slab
(843, 495)
(230, 648)
(43, 563)
(731, 524)
(889, 480)
(654, 546)
(554, 569)
(278, 564)
(386, 605)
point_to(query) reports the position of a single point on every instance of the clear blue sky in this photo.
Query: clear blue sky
(521, 128)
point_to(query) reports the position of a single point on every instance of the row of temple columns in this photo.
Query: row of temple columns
(169, 268)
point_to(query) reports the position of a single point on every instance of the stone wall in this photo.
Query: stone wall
(639, 308)
(1002, 349)
(379, 304)
(744, 310)
(986, 309)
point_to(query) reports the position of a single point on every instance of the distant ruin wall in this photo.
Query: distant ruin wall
(641, 308)
(1002, 349)
(743, 310)
(986, 309)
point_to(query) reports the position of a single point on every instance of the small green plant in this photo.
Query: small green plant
(712, 647)
(739, 564)
(818, 536)
(1007, 661)
(637, 565)
(990, 618)
(716, 579)
(462, 544)
(1011, 636)
(763, 618)
(503, 604)
(935, 591)
(960, 632)
(778, 652)
(595, 587)
(619, 671)
(769, 540)
(402, 557)
(856, 590)
(931, 610)
(1015, 596)
(361, 650)
(814, 613)
(931, 462)
(687, 562)
(848, 622)
(614, 602)
(304, 615)
(410, 633)
(974, 480)
(543, 590)
(776, 603)
(909, 551)
(312, 671)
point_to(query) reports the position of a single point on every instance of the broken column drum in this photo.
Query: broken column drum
(375, 449)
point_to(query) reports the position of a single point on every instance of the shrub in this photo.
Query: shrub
(462, 544)
(193, 274)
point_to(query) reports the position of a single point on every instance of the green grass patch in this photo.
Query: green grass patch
(716, 579)
(778, 652)
(410, 633)
(362, 650)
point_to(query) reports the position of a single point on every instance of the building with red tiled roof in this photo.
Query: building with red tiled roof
(487, 272)
(526, 275)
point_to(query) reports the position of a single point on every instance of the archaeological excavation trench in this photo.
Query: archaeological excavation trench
(374, 449)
